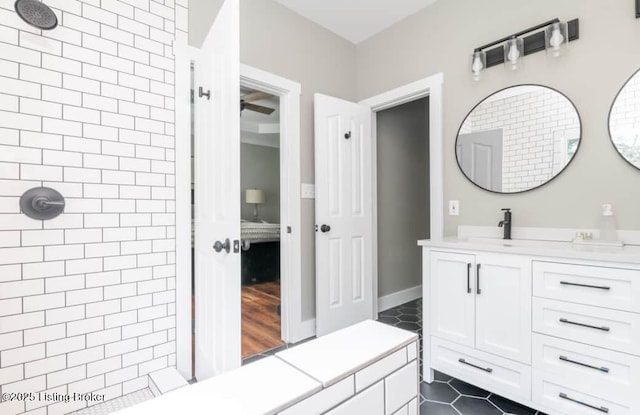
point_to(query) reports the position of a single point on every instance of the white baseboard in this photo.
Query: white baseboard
(398, 298)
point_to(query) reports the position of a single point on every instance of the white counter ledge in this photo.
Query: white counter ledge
(342, 353)
(369, 368)
(551, 249)
(263, 387)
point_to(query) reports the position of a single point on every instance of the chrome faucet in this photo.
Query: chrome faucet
(506, 223)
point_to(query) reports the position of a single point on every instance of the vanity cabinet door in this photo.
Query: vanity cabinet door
(453, 297)
(503, 306)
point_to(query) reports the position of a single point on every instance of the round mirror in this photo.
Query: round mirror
(624, 121)
(518, 139)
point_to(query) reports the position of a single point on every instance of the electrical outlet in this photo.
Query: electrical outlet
(454, 208)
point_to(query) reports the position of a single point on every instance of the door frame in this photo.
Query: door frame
(427, 87)
(290, 202)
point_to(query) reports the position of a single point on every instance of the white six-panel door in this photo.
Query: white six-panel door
(217, 196)
(344, 206)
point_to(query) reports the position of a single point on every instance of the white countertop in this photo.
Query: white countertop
(263, 387)
(335, 356)
(627, 254)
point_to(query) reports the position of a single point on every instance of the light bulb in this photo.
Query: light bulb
(514, 53)
(556, 38)
(477, 65)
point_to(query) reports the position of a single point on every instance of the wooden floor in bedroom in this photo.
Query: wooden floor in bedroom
(260, 319)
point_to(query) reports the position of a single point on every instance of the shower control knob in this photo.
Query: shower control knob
(325, 228)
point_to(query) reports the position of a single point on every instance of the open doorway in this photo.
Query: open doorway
(225, 314)
(402, 199)
(260, 226)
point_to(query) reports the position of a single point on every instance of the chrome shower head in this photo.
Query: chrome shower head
(37, 14)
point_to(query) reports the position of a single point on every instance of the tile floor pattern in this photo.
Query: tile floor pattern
(117, 404)
(447, 395)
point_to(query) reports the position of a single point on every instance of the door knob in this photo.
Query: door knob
(325, 228)
(219, 246)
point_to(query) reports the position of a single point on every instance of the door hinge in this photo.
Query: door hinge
(193, 96)
(201, 93)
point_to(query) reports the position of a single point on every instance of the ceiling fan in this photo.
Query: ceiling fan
(246, 103)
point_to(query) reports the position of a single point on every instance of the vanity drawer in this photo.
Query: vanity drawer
(499, 375)
(614, 375)
(602, 327)
(551, 391)
(615, 288)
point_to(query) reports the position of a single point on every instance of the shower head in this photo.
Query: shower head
(36, 14)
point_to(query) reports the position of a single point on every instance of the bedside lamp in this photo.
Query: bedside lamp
(257, 197)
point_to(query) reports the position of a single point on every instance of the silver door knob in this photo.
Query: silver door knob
(219, 246)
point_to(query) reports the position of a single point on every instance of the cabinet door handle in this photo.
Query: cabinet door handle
(567, 398)
(478, 290)
(575, 284)
(485, 369)
(603, 328)
(469, 278)
(601, 369)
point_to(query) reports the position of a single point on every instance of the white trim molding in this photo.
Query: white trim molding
(399, 298)
(431, 87)
(290, 203)
(184, 55)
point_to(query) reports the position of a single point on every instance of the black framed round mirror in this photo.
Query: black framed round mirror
(624, 121)
(518, 139)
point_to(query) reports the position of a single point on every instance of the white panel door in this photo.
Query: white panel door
(503, 306)
(453, 297)
(480, 155)
(217, 196)
(344, 214)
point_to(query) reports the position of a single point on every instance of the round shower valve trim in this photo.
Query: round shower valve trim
(42, 203)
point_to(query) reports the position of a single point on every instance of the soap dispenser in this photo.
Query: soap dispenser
(608, 230)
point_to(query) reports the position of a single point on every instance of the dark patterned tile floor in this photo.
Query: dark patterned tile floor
(447, 395)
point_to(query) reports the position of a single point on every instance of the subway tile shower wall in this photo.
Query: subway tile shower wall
(87, 300)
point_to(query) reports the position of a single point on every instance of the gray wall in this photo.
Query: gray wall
(440, 39)
(403, 194)
(260, 169)
(275, 39)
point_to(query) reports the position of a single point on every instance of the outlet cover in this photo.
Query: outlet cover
(454, 208)
(308, 191)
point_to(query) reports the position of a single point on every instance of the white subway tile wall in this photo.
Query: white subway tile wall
(87, 300)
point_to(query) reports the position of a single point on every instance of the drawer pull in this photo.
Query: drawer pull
(601, 408)
(601, 369)
(486, 369)
(575, 284)
(603, 328)
(469, 278)
(478, 290)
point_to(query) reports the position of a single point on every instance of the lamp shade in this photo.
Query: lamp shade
(256, 196)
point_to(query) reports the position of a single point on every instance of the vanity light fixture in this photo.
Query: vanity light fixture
(513, 51)
(556, 38)
(478, 63)
(510, 49)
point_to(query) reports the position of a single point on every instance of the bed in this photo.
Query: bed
(256, 232)
(260, 251)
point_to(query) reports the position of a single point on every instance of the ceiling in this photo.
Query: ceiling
(257, 128)
(356, 20)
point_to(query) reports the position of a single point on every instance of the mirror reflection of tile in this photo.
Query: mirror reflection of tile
(518, 138)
